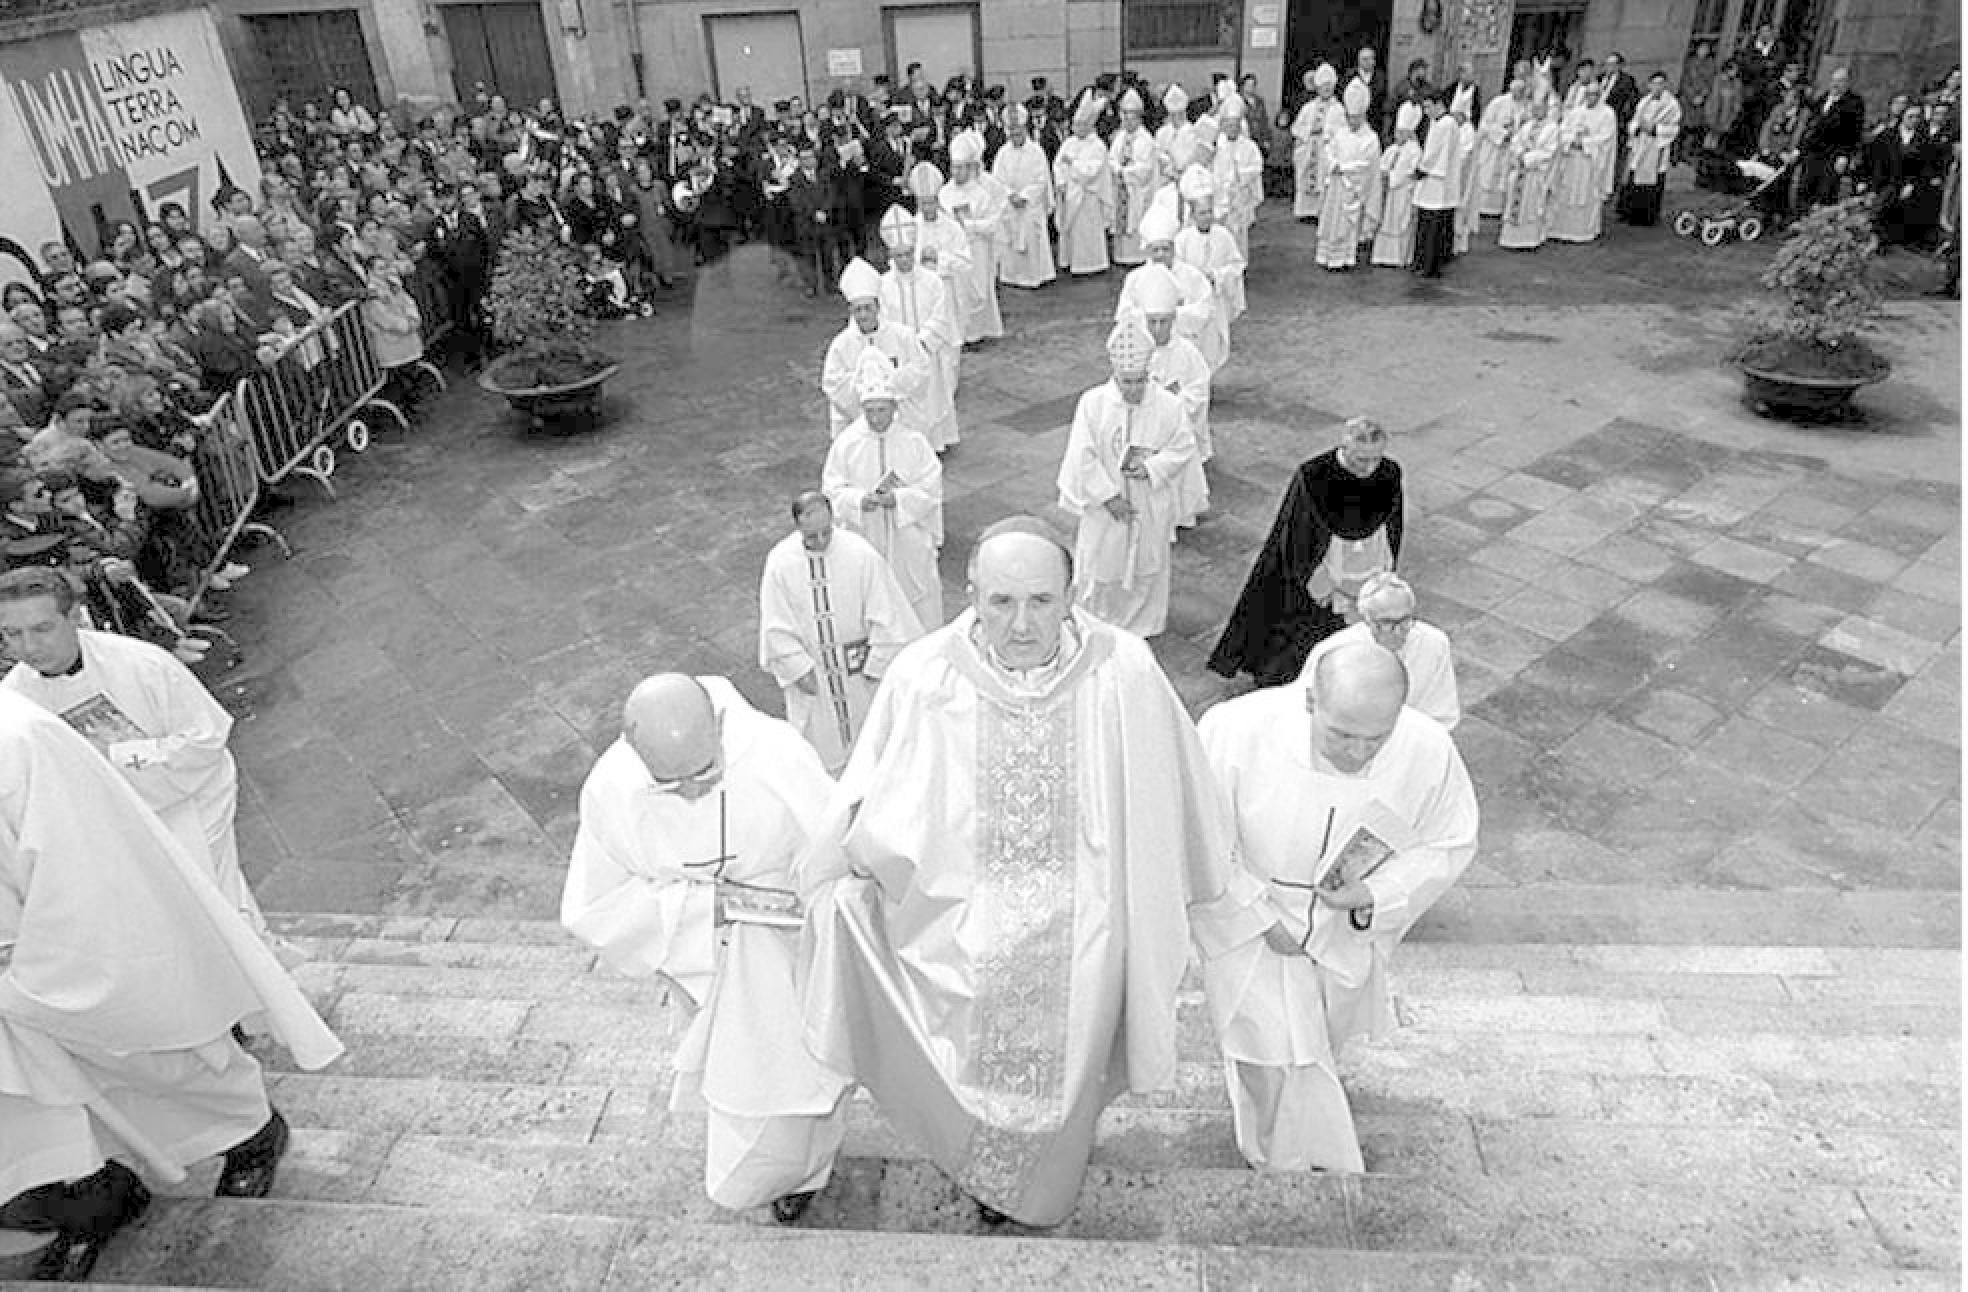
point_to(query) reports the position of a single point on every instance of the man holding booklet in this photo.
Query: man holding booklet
(1357, 814)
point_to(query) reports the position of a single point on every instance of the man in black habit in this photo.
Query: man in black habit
(1340, 522)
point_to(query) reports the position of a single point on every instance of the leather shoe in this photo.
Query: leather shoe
(112, 1198)
(251, 1167)
(789, 1209)
(992, 1216)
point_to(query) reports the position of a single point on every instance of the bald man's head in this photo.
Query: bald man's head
(1355, 698)
(672, 725)
(1021, 589)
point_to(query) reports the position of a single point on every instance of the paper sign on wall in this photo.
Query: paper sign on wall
(844, 62)
(1264, 38)
(1264, 15)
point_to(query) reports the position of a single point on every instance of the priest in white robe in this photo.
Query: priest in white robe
(682, 871)
(1197, 314)
(942, 247)
(1437, 188)
(886, 485)
(1175, 137)
(1467, 219)
(1085, 183)
(1352, 152)
(1308, 132)
(144, 711)
(1501, 117)
(867, 329)
(1656, 125)
(1126, 457)
(1386, 611)
(1005, 892)
(1207, 247)
(1131, 159)
(1323, 781)
(123, 972)
(917, 299)
(831, 618)
(977, 204)
(1238, 168)
(1393, 244)
(1024, 173)
(1178, 367)
(1527, 182)
(1582, 179)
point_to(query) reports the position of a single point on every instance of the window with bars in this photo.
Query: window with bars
(1181, 26)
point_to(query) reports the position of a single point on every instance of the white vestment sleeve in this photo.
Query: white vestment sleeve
(1413, 879)
(782, 646)
(192, 745)
(1086, 479)
(919, 496)
(837, 377)
(836, 482)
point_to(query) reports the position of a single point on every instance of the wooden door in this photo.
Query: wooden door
(502, 47)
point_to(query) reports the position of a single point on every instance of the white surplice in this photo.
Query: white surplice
(1004, 899)
(122, 970)
(1656, 124)
(919, 301)
(1393, 244)
(1180, 369)
(840, 371)
(1582, 177)
(980, 206)
(642, 887)
(1427, 656)
(909, 534)
(1282, 1019)
(1085, 185)
(1213, 253)
(1027, 260)
(1121, 568)
(1351, 156)
(820, 613)
(139, 704)
(1132, 159)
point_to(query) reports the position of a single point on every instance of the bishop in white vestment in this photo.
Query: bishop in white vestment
(1501, 117)
(1085, 184)
(1308, 130)
(1179, 368)
(1357, 814)
(1026, 176)
(977, 203)
(1352, 153)
(831, 617)
(1238, 168)
(1393, 243)
(885, 484)
(1132, 160)
(682, 870)
(867, 330)
(1127, 454)
(1208, 247)
(942, 245)
(1007, 886)
(917, 299)
(1582, 177)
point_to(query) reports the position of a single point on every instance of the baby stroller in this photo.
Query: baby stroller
(1757, 189)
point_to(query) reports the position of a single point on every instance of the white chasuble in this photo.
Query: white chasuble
(920, 302)
(839, 372)
(908, 534)
(1023, 171)
(979, 208)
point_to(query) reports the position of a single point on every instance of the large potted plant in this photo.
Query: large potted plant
(1808, 355)
(540, 318)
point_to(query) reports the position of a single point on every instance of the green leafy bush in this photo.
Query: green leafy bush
(538, 313)
(1823, 274)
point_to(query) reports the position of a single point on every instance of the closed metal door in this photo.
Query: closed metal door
(943, 38)
(762, 52)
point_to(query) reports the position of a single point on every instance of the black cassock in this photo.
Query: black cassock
(1276, 623)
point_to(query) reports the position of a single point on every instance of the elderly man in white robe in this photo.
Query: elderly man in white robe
(993, 956)
(1198, 312)
(1352, 152)
(1175, 137)
(1498, 126)
(917, 299)
(144, 711)
(1085, 184)
(1467, 219)
(976, 203)
(682, 871)
(1383, 792)
(886, 485)
(1308, 130)
(1022, 169)
(831, 618)
(1207, 247)
(1385, 614)
(1132, 160)
(123, 972)
(1393, 244)
(1178, 367)
(1582, 178)
(1238, 169)
(1122, 475)
(942, 242)
(1655, 126)
(1527, 182)
(867, 329)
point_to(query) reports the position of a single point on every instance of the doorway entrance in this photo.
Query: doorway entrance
(502, 47)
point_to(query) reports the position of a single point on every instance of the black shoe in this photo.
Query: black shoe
(789, 1209)
(251, 1166)
(992, 1216)
(101, 1205)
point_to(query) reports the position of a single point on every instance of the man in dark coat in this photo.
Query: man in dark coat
(810, 202)
(1340, 521)
(1831, 137)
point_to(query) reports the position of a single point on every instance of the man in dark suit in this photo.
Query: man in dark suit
(1048, 115)
(1833, 134)
(1894, 157)
(810, 202)
(1622, 95)
(1758, 67)
(22, 382)
(462, 245)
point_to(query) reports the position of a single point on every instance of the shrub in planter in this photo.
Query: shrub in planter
(539, 315)
(1824, 275)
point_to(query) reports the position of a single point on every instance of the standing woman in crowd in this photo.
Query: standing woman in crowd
(395, 328)
(650, 198)
(349, 119)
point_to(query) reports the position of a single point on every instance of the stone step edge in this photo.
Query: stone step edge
(1533, 914)
(1211, 1263)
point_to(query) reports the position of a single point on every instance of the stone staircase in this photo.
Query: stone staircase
(1605, 1100)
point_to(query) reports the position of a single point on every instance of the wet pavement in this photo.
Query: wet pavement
(1698, 649)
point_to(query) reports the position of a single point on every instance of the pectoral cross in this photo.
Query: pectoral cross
(715, 865)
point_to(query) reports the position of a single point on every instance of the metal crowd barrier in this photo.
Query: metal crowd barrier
(325, 378)
(427, 287)
(228, 491)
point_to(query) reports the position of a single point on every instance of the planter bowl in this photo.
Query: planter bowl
(547, 403)
(1808, 396)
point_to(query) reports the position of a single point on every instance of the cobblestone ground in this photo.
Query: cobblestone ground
(1698, 649)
